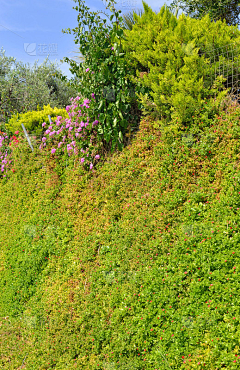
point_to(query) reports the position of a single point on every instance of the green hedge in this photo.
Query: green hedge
(33, 120)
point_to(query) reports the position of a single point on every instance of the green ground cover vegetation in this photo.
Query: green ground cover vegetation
(130, 261)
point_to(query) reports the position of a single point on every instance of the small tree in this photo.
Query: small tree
(217, 10)
(24, 88)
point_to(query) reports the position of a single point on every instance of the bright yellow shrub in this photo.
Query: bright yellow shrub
(33, 120)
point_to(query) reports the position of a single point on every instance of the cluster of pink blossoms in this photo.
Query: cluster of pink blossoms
(73, 132)
(4, 156)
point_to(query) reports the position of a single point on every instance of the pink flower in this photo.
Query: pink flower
(53, 151)
(97, 156)
(86, 101)
(91, 166)
(44, 124)
(82, 160)
(87, 69)
(17, 132)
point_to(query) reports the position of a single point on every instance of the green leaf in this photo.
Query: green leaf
(120, 135)
(100, 105)
(115, 122)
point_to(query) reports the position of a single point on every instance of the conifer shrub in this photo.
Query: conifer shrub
(170, 50)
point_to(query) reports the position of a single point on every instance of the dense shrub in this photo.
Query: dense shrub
(168, 50)
(33, 120)
(106, 73)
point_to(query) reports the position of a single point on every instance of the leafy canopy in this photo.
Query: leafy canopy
(23, 88)
(227, 10)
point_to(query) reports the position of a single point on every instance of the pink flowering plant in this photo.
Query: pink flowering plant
(107, 74)
(74, 136)
(4, 153)
(7, 145)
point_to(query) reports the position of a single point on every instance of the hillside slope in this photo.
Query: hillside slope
(132, 267)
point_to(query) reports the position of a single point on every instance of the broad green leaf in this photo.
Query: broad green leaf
(115, 122)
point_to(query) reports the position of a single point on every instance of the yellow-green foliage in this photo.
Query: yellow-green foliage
(135, 266)
(169, 49)
(33, 120)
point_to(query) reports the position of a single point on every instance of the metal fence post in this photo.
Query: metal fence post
(26, 134)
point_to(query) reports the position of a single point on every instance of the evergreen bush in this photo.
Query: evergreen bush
(168, 50)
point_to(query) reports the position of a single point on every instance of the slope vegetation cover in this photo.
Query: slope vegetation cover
(134, 266)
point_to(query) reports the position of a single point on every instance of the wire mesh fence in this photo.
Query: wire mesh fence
(222, 61)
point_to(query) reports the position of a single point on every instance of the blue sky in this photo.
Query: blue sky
(32, 29)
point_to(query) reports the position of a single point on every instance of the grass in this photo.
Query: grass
(134, 266)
